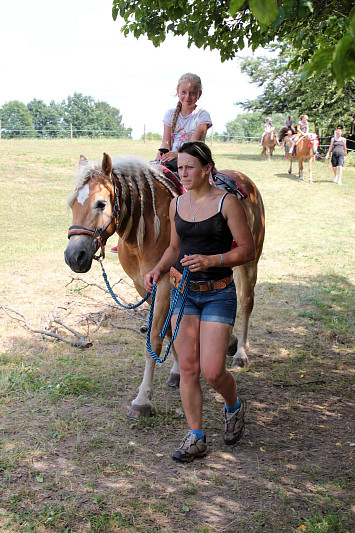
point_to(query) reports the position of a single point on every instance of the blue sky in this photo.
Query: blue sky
(52, 49)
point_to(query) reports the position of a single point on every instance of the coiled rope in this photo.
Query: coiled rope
(184, 284)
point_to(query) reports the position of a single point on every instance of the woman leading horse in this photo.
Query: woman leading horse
(132, 198)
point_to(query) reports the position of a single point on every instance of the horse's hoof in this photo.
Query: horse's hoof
(240, 362)
(139, 411)
(173, 380)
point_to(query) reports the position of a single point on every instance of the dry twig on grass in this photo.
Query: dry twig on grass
(80, 340)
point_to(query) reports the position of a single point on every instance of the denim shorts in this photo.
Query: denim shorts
(219, 305)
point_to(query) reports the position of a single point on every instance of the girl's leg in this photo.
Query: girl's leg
(214, 339)
(188, 352)
(335, 174)
(213, 347)
(340, 173)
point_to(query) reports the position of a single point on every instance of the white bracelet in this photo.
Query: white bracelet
(222, 260)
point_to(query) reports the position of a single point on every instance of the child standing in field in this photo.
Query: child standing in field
(286, 143)
(187, 122)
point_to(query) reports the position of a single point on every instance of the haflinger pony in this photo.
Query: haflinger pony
(132, 198)
(305, 150)
(269, 143)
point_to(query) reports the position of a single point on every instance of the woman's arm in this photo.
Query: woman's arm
(166, 142)
(345, 149)
(330, 148)
(170, 255)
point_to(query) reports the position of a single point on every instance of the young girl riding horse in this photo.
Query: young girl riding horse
(187, 122)
(302, 131)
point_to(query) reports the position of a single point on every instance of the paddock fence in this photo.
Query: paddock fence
(74, 133)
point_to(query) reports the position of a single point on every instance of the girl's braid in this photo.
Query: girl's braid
(174, 121)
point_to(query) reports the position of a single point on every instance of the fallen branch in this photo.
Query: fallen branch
(127, 327)
(80, 340)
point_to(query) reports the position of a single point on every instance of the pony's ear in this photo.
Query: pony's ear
(83, 160)
(106, 164)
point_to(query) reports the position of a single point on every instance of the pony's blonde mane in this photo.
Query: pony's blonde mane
(132, 174)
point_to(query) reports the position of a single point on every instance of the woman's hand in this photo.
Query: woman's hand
(151, 279)
(197, 262)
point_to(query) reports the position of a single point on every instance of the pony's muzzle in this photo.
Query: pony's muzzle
(79, 253)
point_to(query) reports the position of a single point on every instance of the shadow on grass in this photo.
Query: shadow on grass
(75, 461)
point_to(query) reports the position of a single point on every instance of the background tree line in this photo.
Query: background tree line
(86, 116)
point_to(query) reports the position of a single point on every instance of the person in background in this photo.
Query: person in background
(289, 123)
(267, 129)
(286, 143)
(339, 151)
(204, 222)
(302, 131)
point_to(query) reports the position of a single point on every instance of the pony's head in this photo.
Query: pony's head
(95, 209)
(119, 195)
(313, 142)
(283, 132)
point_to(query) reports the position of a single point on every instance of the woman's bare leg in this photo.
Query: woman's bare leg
(214, 338)
(188, 352)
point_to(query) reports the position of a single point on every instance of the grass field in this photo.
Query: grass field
(71, 461)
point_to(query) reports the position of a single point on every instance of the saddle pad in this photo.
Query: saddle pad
(228, 184)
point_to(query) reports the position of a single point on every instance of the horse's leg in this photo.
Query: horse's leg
(310, 170)
(174, 376)
(142, 405)
(300, 169)
(290, 168)
(245, 277)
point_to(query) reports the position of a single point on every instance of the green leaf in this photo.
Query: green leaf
(114, 11)
(344, 59)
(40, 479)
(234, 6)
(265, 11)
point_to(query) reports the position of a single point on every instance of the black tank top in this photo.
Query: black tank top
(338, 146)
(207, 237)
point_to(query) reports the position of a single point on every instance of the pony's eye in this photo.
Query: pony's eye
(100, 204)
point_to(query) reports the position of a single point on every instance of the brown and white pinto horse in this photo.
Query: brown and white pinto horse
(305, 150)
(269, 143)
(132, 198)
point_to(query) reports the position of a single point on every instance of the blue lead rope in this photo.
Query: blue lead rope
(185, 279)
(184, 283)
(104, 275)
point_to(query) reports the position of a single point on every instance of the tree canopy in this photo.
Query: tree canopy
(322, 34)
(16, 117)
(284, 92)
